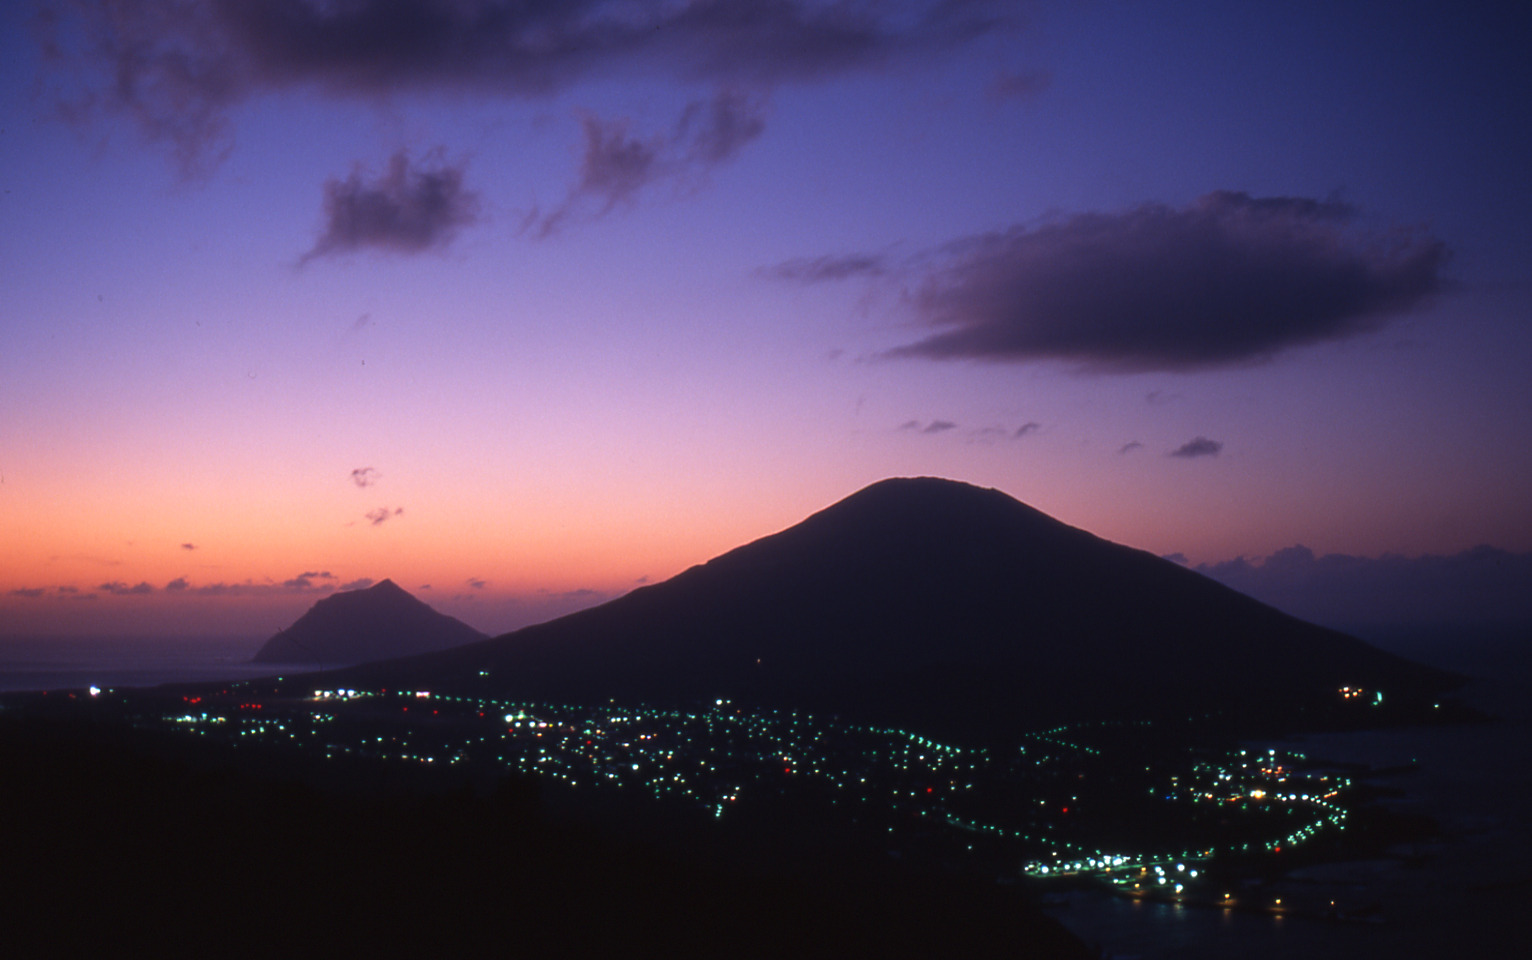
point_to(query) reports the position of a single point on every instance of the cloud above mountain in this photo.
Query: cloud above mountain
(178, 67)
(1227, 280)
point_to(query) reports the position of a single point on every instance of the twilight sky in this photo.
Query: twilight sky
(532, 302)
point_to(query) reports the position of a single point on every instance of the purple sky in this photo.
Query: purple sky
(533, 305)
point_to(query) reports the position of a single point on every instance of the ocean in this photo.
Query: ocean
(1466, 892)
(59, 663)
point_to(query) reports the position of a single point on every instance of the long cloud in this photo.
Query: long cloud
(179, 66)
(1227, 280)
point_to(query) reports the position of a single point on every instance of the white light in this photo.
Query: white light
(95, 691)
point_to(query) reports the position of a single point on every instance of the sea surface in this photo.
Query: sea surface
(68, 663)
(1465, 893)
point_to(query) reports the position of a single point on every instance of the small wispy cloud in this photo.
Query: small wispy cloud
(404, 210)
(1197, 447)
(119, 588)
(1030, 426)
(305, 580)
(827, 268)
(381, 515)
(616, 165)
(365, 476)
(1130, 446)
(178, 584)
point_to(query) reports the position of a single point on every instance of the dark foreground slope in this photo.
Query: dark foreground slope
(935, 603)
(379, 623)
(120, 841)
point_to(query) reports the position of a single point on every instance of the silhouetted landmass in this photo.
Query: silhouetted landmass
(120, 840)
(937, 604)
(379, 623)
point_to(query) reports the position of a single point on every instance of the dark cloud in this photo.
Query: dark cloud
(361, 583)
(31, 593)
(1484, 585)
(365, 476)
(378, 516)
(119, 588)
(178, 67)
(404, 210)
(1197, 447)
(1130, 446)
(68, 589)
(939, 426)
(910, 425)
(1026, 428)
(616, 166)
(188, 546)
(818, 269)
(476, 583)
(179, 583)
(1022, 85)
(1230, 279)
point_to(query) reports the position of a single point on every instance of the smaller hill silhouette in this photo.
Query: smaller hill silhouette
(379, 623)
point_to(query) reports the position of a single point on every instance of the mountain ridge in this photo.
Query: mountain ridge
(929, 601)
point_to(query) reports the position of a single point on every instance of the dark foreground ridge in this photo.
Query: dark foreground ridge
(124, 837)
(939, 605)
(379, 623)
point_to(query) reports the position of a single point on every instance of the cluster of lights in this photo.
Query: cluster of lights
(1357, 693)
(1037, 800)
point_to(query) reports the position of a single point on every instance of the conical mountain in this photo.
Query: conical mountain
(379, 623)
(930, 602)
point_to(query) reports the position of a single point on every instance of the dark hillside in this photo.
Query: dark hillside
(379, 623)
(118, 841)
(930, 602)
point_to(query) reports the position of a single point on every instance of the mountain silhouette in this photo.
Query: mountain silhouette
(381, 622)
(934, 603)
